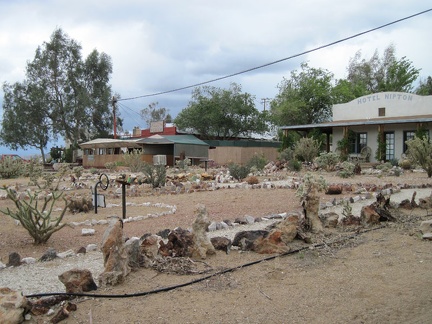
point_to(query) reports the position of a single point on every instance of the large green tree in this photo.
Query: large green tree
(221, 113)
(304, 98)
(71, 95)
(379, 74)
(153, 114)
(425, 87)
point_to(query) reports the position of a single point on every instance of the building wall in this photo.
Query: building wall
(240, 155)
(396, 104)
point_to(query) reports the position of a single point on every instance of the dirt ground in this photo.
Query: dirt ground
(376, 276)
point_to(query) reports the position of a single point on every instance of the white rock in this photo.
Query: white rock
(91, 247)
(249, 219)
(66, 254)
(2, 265)
(87, 232)
(28, 260)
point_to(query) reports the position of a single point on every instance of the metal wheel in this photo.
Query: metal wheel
(103, 181)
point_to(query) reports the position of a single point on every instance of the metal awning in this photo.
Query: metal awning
(110, 143)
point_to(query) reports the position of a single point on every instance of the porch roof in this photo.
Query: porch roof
(172, 139)
(109, 143)
(328, 126)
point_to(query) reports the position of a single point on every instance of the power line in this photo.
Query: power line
(278, 61)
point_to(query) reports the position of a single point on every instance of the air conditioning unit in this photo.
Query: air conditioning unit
(159, 160)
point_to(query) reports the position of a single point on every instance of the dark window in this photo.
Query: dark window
(381, 112)
(390, 145)
(357, 142)
(407, 135)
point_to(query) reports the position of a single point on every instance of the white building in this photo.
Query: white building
(396, 116)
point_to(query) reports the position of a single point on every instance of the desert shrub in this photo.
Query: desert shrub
(394, 162)
(154, 174)
(257, 161)
(237, 171)
(347, 170)
(133, 160)
(80, 205)
(111, 166)
(405, 164)
(10, 168)
(36, 219)
(183, 164)
(78, 171)
(306, 149)
(94, 171)
(294, 165)
(252, 180)
(35, 172)
(286, 155)
(385, 167)
(327, 161)
(420, 152)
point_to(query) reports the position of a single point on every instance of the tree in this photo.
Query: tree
(420, 152)
(154, 114)
(425, 87)
(305, 98)
(25, 121)
(66, 95)
(382, 74)
(221, 113)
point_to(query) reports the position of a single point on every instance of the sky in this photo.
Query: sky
(162, 45)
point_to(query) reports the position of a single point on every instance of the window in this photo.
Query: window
(407, 135)
(381, 112)
(390, 145)
(357, 142)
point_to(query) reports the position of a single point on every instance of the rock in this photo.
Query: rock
(12, 306)
(164, 233)
(78, 281)
(330, 220)
(334, 189)
(66, 254)
(88, 232)
(203, 245)
(212, 227)
(425, 203)
(91, 247)
(180, 244)
(14, 260)
(221, 243)
(82, 250)
(63, 313)
(114, 254)
(28, 260)
(149, 246)
(134, 253)
(272, 243)
(427, 236)
(368, 215)
(49, 255)
(245, 239)
(426, 226)
(2, 265)
(288, 231)
(249, 219)
(241, 221)
(351, 220)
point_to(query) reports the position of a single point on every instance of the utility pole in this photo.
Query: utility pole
(114, 101)
(264, 101)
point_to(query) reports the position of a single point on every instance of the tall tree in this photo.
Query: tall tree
(221, 113)
(75, 95)
(153, 114)
(305, 98)
(25, 121)
(425, 87)
(379, 74)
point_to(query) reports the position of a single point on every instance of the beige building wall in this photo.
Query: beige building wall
(240, 155)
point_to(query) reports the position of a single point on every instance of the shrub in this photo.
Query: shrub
(420, 152)
(183, 164)
(252, 180)
(405, 164)
(111, 166)
(155, 174)
(238, 171)
(133, 160)
(294, 165)
(327, 161)
(10, 168)
(78, 171)
(306, 149)
(347, 170)
(39, 223)
(257, 161)
(82, 205)
(286, 155)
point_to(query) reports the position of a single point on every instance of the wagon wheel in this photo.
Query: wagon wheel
(103, 181)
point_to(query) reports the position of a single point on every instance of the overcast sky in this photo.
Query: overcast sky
(161, 45)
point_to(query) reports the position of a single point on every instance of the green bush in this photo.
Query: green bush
(155, 174)
(133, 160)
(405, 164)
(286, 155)
(11, 168)
(420, 152)
(257, 161)
(183, 164)
(238, 172)
(306, 149)
(111, 166)
(327, 161)
(294, 165)
(347, 170)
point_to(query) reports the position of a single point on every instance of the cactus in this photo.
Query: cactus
(39, 223)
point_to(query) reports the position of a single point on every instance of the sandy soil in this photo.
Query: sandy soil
(380, 275)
